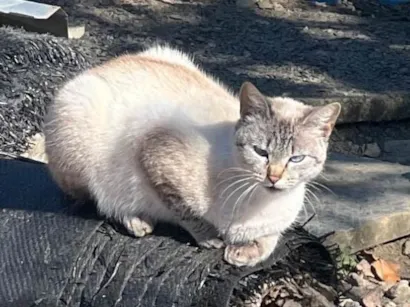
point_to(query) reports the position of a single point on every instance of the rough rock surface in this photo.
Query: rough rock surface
(366, 201)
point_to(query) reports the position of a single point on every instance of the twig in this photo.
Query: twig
(308, 220)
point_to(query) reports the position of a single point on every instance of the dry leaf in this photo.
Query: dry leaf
(386, 271)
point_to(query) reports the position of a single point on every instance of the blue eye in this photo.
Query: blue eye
(261, 152)
(297, 159)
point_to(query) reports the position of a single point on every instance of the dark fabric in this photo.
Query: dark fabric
(53, 256)
(32, 68)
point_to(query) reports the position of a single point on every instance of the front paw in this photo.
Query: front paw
(138, 227)
(252, 253)
(211, 243)
(243, 255)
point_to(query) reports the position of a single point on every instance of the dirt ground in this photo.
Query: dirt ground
(304, 49)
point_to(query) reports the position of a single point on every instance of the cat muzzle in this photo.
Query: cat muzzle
(269, 182)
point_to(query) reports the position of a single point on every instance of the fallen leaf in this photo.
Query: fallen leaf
(386, 271)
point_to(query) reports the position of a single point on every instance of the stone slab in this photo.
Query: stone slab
(369, 203)
(397, 151)
(367, 107)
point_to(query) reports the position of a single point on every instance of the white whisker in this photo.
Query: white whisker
(233, 192)
(324, 176)
(320, 185)
(233, 177)
(305, 210)
(311, 206)
(234, 169)
(309, 202)
(313, 187)
(242, 196)
(313, 194)
(232, 184)
(253, 191)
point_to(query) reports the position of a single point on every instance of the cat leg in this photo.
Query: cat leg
(203, 232)
(252, 253)
(175, 175)
(68, 181)
(137, 226)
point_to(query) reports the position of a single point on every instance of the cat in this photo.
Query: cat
(152, 137)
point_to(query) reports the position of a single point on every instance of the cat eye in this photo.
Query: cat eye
(261, 152)
(297, 159)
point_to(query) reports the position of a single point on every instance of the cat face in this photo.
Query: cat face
(282, 144)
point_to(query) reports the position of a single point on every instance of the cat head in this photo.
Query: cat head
(282, 141)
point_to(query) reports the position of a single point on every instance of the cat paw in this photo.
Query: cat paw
(252, 253)
(212, 243)
(138, 227)
(243, 255)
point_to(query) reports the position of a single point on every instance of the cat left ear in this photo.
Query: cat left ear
(323, 118)
(252, 100)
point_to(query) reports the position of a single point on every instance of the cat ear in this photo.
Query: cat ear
(323, 118)
(252, 101)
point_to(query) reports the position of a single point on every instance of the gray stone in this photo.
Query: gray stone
(359, 281)
(292, 303)
(365, 268)
(327, 291)
(369, 202)
(406, 248)
(397, 151)
(319, 4)
(373, 298)
(388, 303)
(246, 3)
(372, 150)
(350, 303)
(265, 4)
(354, 293)
(400, 293)
(270, 5)
(346, 147)
(368, 107)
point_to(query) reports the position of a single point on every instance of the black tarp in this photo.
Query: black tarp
(53, 256)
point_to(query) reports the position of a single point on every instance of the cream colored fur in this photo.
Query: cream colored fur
(96, 125)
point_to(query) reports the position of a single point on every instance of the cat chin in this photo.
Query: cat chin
(285, 187)
(273, 189)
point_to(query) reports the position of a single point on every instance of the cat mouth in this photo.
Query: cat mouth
(268, 184)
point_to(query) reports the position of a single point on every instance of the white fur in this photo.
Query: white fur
(171, 55)
(98, 117)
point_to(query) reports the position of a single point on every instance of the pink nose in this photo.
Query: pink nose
(274, 179)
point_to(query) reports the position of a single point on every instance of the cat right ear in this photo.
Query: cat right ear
(323, 119)
(252, 100)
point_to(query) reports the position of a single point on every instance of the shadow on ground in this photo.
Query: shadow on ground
(313, 55)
